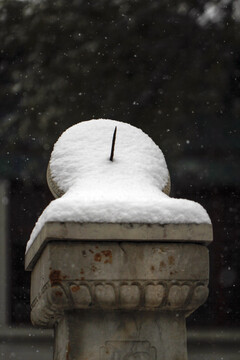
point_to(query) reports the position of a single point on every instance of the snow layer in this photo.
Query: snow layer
(83, 152)
(125, 190)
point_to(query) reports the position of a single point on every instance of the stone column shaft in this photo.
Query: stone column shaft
(121, 335)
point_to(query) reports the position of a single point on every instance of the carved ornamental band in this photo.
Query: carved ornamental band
(139, 295)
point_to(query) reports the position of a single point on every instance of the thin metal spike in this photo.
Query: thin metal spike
(113, 144)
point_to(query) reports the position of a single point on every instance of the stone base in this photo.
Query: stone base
(110, 297)
(119, 335)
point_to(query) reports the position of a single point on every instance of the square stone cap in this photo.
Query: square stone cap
(75, 231)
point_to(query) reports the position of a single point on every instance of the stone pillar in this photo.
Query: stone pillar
(118, 291)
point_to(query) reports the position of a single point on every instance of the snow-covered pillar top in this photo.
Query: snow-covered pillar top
(132, 187)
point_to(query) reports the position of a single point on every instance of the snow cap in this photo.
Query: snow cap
(83, 153)
(133, 188)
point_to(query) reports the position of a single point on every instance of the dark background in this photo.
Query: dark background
(171, 68)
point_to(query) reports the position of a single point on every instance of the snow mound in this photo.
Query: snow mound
(83, 152)
(127, 189)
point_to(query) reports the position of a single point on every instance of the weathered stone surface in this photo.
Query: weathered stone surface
(111, 275)
(192, 233)
(118, 299)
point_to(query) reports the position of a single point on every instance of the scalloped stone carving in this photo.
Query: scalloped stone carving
(154, 295)
(178, 295)
(80, 295)
(105, 295)
(200, 295)
(129, 296)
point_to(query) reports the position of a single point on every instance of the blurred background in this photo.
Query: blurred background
(171, 68)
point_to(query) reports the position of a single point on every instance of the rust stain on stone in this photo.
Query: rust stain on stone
(56, 277)
(162, 265)
(91, 251)
(108, 256)
(98, 257)
(82, 278)
(75, 288)
(58, 293)
(82, 271)
(106, 252)
(171, 260)
(152, 268)
(93, 267)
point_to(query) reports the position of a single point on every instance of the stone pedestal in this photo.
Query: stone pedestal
(118, 291)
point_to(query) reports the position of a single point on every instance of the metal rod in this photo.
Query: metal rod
(113, 144)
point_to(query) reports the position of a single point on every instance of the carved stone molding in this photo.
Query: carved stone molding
(148, 295)
(128, 350)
